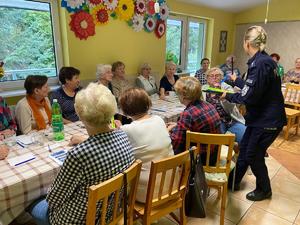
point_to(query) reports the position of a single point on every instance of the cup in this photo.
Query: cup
(10, 140)
(38, 138)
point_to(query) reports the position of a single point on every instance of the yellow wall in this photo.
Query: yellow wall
(118, 41)
(279, 10)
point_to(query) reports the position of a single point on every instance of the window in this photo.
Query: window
(30, 41)
(185, 41)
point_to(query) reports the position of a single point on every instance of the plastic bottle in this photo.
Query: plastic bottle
(57, 122)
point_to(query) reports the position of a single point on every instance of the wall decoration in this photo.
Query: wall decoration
(138, 14)
(223, 41)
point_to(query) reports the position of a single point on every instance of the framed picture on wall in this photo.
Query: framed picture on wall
(223, 41)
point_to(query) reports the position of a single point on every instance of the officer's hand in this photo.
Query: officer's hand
(233, 77)
(222, 97)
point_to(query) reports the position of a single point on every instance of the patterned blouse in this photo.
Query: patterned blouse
(292, 76)
(6, 119)
(201, 76)
(97, 159)
(66, 103)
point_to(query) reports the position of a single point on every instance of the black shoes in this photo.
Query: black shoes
(258, 195)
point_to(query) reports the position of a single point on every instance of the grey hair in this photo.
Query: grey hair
(95, 105)
(257, 37)
(143, 66)
(169, 64)
(102, 69)
(214, 69)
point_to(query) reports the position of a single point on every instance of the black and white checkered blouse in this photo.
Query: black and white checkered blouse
(97, 159)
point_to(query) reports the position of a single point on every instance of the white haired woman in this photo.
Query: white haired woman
(104, 75)
(102, 156)
(145, 80)
(231, 118)
(265, 117)
(168, 81)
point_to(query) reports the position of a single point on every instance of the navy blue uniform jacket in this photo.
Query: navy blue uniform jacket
(261, 93)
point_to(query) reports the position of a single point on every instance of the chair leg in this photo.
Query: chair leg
(182, 216)
(223, 204)
(219, 192)
(286, 135)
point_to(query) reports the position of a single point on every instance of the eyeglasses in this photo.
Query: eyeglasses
(214, 75)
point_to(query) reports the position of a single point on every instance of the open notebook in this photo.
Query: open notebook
(59, 156)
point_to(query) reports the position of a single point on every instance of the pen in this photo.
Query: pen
(20, 163)
(23, 146)
(49, 149)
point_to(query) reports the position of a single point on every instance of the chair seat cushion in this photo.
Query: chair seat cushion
(216, 177)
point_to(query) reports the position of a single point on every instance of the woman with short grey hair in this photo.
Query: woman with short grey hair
(145, 80)
(106, 153)
(104, 75)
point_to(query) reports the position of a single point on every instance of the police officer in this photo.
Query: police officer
(265, 117)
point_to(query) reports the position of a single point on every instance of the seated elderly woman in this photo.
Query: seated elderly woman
(293, 75)
(168, 81)
(119, 82)
(104, 75)
(145, 80)
(65, 95)
(147, 134)
(198, 116)
(231, 118)
(33, 112)
(8, 125)
(102, 156)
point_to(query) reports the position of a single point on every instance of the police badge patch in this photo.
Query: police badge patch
(245, 90)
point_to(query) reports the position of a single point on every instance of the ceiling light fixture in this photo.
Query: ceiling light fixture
(267, 12)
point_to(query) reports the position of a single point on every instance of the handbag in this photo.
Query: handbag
(195, 198)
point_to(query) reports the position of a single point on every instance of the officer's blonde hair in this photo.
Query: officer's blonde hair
(257, 37)
(188, 88)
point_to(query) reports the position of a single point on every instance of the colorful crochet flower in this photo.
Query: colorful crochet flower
(163, 11)
(160, 28)
(110, 4)
(82, 25)
(93, 3)
(150, 7)
(72, 5)
(100, 15)
(138, 22)
(125, 9)
(140, 6)
(150, 24)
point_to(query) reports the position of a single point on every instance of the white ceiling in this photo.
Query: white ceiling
(228, 5)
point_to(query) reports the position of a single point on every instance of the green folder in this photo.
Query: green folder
(217, 90)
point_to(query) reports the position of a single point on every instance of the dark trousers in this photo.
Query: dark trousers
(253, 148)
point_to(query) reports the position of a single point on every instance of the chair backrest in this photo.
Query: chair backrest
(212, 142)
(114, 185)
(176, 188)
(292, 93)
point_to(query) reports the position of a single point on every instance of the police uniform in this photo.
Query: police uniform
(265, 117)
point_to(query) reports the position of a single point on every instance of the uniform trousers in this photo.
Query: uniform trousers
(254, 144)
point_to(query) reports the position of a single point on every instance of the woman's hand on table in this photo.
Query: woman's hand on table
(77, 139)
(3, 151)
(171, 125)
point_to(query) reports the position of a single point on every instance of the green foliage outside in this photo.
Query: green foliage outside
(26, 40)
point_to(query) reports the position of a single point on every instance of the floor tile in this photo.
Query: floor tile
(285, 175)
(280, 206)
(297, 221)
(286, 189)
(256, 216)
(210, 219)
(235, 208)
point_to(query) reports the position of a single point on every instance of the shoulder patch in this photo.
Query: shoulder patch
(245, 90)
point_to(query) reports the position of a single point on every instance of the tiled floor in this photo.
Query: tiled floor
(282, 209)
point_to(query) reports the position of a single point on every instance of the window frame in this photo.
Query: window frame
(184, 37)
(54, 12)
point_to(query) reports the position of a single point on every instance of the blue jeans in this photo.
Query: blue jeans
(236, 128)
(39, 211)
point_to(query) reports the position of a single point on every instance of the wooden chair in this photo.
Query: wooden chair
(292, 95)
(104, 190)
(156, 207)
(217, 175)
(293, 120)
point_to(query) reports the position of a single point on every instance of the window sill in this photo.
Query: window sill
(16, 93)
